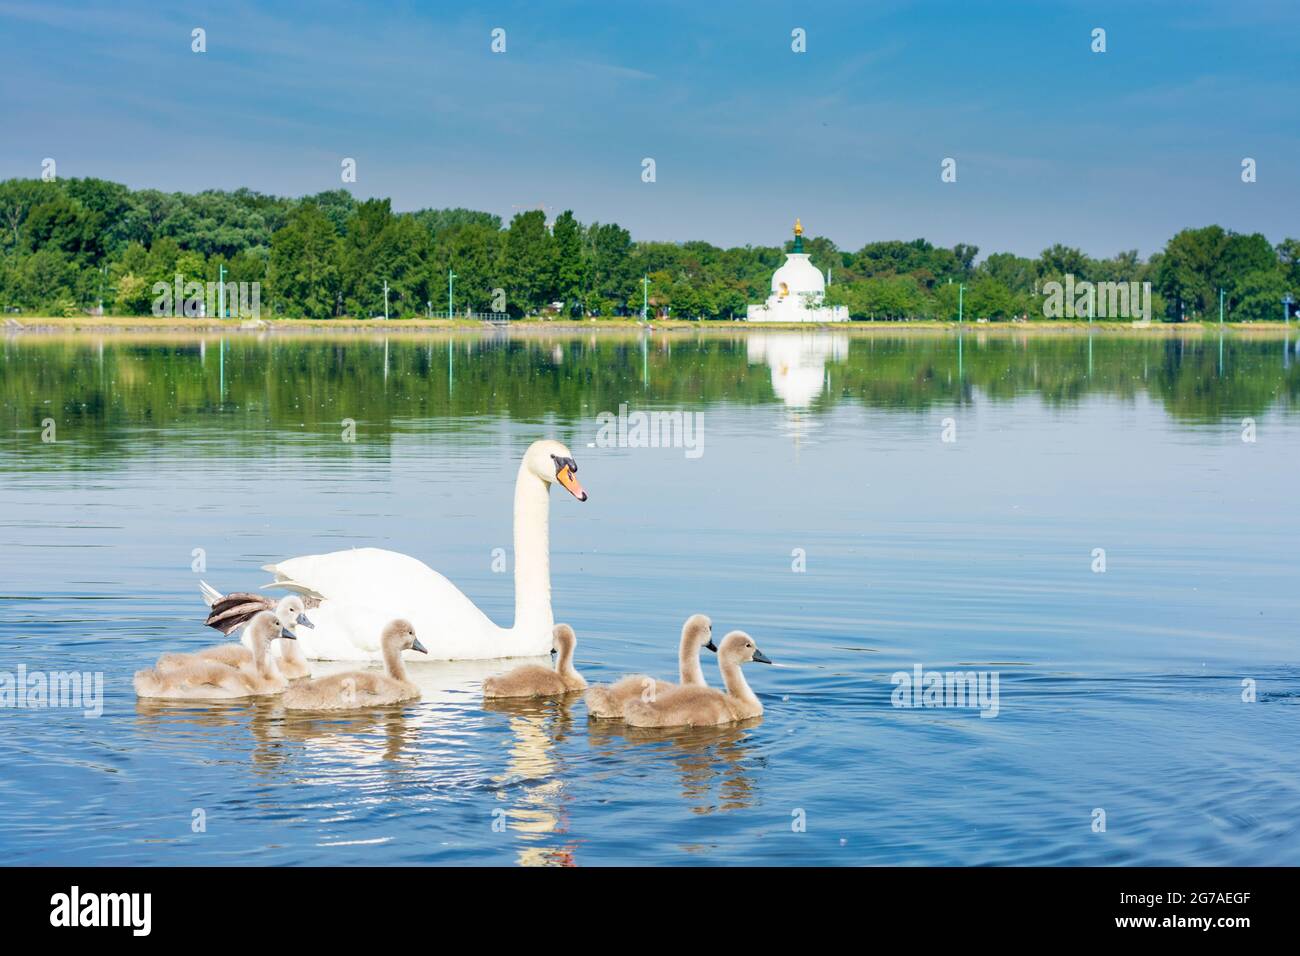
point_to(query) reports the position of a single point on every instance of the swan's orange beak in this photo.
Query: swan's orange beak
(566, 477)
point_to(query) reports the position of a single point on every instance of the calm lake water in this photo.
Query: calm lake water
(1119, 691)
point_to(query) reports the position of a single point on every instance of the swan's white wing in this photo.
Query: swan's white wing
(370, 575)
(364, 588)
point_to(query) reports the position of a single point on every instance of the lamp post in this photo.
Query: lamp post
(451, 284)
(385, 300)
(221, 291)
(1220, 306)
(645, 296)
(961, 300)
(1286, 309)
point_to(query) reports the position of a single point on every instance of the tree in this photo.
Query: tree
(45, 278)
(1257, 296)
(59, 223)
(134, 294)
(567, 236)
(1016, 273)
(473, 251)
(529, 261)
(1188, 271)
(1059, 261)
(17, 197)
(989, 299)
(609, 271)
(1288, 254)
(304, 270)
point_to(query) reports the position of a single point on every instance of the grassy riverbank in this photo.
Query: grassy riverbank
(101, 324)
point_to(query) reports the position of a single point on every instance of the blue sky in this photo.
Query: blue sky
(1053, 143)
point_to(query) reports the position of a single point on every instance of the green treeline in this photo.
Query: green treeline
(68, 245)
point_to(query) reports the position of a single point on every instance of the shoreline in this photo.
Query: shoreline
(96, 325)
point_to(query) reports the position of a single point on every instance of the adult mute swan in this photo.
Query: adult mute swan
(362, 589)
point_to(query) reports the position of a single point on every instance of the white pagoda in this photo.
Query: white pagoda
(798, 290)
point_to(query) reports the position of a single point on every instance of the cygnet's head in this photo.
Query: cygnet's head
(402, 634)
(740, 648)
(563, 640)
(266, 626)
(293, 612)
(697, 632)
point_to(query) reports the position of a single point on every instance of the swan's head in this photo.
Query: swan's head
(293, 612)
(697, 632)
(551, 461)
(401, 634)
(740, 648)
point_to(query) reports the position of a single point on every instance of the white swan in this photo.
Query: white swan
(362, 589)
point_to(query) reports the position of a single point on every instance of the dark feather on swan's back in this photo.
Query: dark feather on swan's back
(237, 608)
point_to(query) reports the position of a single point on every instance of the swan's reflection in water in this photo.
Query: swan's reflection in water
(335, 735)
(361, 738)
(705, 757)
(533, 786)
(374, 736)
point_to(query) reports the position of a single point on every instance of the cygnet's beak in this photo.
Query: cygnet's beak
(417, 646)
(760, 658)
(287, 634)
(554, 654)
(302, 620)
(711, 646)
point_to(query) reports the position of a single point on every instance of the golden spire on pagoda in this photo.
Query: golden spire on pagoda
(798, 227)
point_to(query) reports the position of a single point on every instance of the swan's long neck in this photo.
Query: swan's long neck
(262, 655)
(394, 666)
(735, 682)
(688, 662)
(291, 652)
(564, 666)
(532, 554)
